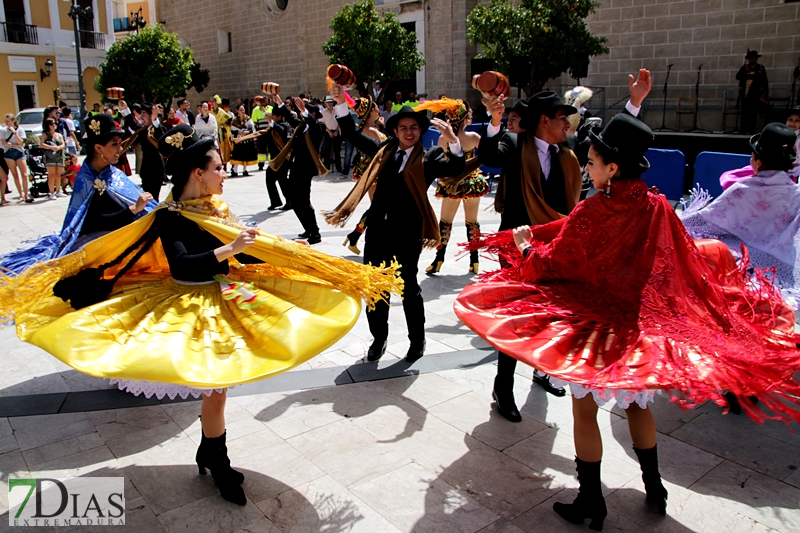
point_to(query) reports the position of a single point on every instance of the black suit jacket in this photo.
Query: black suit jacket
(301, 161)
(283, 132)
(390, 193)
(152, 169)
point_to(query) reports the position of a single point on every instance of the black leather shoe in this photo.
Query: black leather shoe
(314, 239)
(274, 207)
(376, 350)
(304, 235)
(544, 381)
(508, 409)
(286, 207)
(415, 352)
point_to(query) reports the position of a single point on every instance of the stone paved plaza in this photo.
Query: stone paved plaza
(419, 451)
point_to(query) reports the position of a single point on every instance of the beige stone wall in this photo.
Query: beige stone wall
(288, 49)
(715, 33)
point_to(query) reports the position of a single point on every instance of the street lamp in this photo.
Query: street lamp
(76, 12)
(137, 22)
(48, 69)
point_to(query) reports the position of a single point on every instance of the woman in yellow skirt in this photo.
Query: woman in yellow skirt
(169, 305)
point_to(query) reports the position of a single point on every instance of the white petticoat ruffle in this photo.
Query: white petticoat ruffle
(624, 398)
(150, 388)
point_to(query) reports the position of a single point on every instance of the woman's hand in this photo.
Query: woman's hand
(141, 202)
(522, 237)
(244, 240)
(445, 129)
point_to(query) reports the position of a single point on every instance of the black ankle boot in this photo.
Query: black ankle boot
(656, 493)
(213, 455)
(351, 241)
(590, 502)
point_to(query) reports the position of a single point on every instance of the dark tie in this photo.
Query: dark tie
(553, 156)
(398, 159)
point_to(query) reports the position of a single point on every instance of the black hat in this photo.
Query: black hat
(408, 112)
(627, 138)
(794, 111)
(547, 102)
(179, 144)
(775, 143)
(99, 129)
(752, 53)
(520, 107)
(147, 107)
(225, 101)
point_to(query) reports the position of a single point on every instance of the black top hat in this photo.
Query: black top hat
(547, 102)
(627, 138)
(99, 129)
(408, 112)
(775, 143)
(147, 107)
(179, 144)
(752, 53)
(225, 101)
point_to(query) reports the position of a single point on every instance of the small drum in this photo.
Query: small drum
(115, 93)
(491, 83)
(342, 75)
(271, 88)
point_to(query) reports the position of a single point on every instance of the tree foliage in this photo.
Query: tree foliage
(551, 33)
(200, 78)
(373, 45)
(150, 65)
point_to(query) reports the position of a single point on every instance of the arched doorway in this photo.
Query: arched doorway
(92, 96)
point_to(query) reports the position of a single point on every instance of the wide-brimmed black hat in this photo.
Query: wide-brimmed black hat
(408, 112)
(225, 101)
(520, 107)
(99, 129)
(147, 107)
(775, 143)
(752, 53)
(547, 102)
(179, 145)
(627, 138)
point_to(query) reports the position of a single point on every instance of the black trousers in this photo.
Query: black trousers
(152, 182)
(382, 244)
(278, 177)
(749, 115)
(300, 198)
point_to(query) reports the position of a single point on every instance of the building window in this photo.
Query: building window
(224, 40)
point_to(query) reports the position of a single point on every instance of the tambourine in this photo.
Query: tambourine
(342, 75)
(115, 93)
(491, 83)
(271, 88)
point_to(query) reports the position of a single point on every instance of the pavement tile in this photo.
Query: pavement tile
(12, 464)
(731, 441)
(414, 499)
(36, 431)
(323, 505)
(49, 452)
(116, 423)
(754, 495)
(425, 390)
(211, 515)
(472, 414)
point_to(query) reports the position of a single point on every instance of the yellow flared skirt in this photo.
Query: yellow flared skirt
(154, 329)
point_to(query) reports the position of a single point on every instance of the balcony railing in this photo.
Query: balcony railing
(92, 39)
(20, 33)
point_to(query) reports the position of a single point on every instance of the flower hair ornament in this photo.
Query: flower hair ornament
(95, 127)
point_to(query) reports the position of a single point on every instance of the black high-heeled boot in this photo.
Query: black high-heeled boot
(351, 241)
(444, 234)
(656, 493)
(212, 454)
(473, 232)
(590, 502)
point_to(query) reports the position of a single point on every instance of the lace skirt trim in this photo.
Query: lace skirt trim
(150, 388)
(624, 398)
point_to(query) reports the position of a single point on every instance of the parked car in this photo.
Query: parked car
(31, 122)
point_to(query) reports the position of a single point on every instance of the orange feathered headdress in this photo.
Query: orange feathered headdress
(455, 110)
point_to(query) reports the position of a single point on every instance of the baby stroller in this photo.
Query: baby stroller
(37, 172)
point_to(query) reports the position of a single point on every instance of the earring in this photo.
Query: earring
(607, 189)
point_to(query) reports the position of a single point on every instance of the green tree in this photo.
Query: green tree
(200, 78)
(552, 34)
(373, 45)
(151, 66)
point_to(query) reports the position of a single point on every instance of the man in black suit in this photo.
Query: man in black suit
(275, 141)
(302, 158)
(401, 220)
(541, 183)
(147, 136)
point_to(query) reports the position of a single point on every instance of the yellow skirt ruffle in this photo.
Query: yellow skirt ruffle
(154, 329)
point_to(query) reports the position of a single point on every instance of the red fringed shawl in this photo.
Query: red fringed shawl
(618, 295)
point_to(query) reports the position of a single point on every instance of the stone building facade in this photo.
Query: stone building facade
(281, 41)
